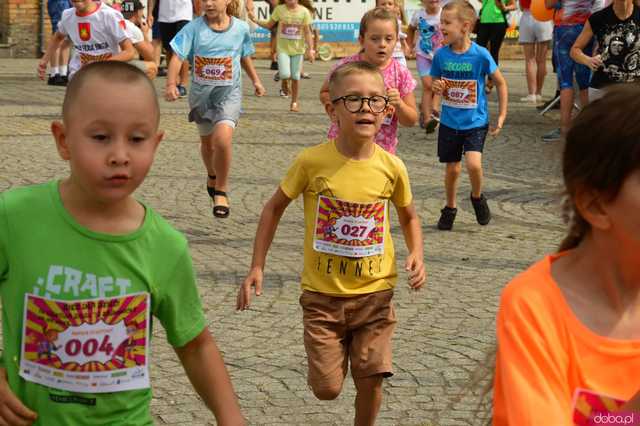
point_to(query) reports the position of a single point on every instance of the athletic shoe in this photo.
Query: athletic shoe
(553, 136)
(283, 94)
(530, 99)
(538, 99)
(481, 208)
(51, 81)
(61, 80)
(305, 75)
(162, 71)
(182, 91)
(447, 217)
(546, 104)
(274, 66)
(433, 122)
(276, 76)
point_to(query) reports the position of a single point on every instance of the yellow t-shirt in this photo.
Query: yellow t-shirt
(291, 23)
(347, 245)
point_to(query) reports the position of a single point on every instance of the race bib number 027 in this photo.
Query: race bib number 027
(460, 93)
(94, 345)
(349, 229)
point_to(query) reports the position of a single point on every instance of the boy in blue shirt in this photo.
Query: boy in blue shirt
(459, 71)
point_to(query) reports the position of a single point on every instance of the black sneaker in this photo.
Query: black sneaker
(51, 81)
(447, 217)
(546, 104)
(480, 206)
(61, 80)
(162, 71)
(274, 66)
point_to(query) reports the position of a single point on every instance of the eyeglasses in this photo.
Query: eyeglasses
(354, 103)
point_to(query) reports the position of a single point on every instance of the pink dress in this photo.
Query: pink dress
(395, 76)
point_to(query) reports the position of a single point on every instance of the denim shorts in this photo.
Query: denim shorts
(226, 112)
(55, 9)
(453, 143)
(563, 38)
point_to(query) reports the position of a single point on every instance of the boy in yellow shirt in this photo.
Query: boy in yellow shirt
(349, 263)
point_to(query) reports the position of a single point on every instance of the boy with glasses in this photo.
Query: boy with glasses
(349, 264)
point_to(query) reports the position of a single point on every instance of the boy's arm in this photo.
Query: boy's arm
(205, 368)
(247, 65)
(414, 265)
(405, 107)
(267, 226)
(171, 90)
(54, 43)
(501, 86)
(127, 53)
(12, 411)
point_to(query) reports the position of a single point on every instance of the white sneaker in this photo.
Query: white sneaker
(530, 99)
(539, 99)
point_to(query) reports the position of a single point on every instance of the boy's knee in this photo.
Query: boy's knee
(453, 168)
(327, 392)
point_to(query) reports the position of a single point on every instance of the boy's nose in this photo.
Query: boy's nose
(119, 154)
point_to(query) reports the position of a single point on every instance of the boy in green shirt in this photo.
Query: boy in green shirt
(84, 265)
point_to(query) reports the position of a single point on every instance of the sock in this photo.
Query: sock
(54, 71)
(63, 70)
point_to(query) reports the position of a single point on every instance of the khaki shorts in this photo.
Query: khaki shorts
(339, 329)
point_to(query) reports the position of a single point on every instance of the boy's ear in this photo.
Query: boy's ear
(330, 108)
(591, 206)
(59, 135)
(158, 138)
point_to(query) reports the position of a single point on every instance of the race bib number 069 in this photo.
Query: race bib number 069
(94, 345)
(349, 229)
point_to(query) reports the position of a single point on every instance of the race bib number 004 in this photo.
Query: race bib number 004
(213, 71)
(460, 93)
(349, 229)
(95, 345)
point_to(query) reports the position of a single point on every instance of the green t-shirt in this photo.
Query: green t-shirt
(46, 253)
(491, 13)
(291, 25)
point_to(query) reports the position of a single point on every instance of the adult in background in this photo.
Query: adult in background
(492, 27)
(616, 29)
(534, 38)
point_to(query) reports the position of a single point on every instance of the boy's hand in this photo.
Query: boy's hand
(12, 411)
(260, 90)
(394, 97)
(415, 268)
(171, 92)
(437, 87)
(495, 130)
(42, 69)
(595, 62)
(254, 279)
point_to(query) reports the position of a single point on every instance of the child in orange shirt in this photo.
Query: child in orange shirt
(568, 328)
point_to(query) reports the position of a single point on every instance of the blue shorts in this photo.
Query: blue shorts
(453, 143)
(563, 38)
(55, 9)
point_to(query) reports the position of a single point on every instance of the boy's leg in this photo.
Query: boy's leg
(325, 339)
(368, 399)
(473, 161)
(451, 175)
(473, 146)
(372, 322)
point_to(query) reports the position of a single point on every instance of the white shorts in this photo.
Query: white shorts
(532, 31)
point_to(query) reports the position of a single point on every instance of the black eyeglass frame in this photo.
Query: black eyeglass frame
(362, 99)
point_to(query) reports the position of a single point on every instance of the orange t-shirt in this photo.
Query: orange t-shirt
(546, 356)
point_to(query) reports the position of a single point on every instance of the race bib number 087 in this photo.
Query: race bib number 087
(460, 93)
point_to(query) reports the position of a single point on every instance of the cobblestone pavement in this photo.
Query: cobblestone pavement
(444, 332)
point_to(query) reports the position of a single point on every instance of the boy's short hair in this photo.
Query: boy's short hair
(357, 67)
(463, 9)
(112, 71)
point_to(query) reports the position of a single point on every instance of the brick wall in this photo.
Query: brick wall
(20, 26)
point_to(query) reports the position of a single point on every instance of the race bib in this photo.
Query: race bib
(460, 93)
(86, 58)
(387, 120)
(213, 71)
(93, 345)
(291, 31)
(349, 229)
(587, 405)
